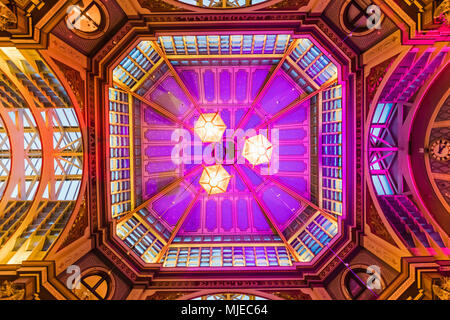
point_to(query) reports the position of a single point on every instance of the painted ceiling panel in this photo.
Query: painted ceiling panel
(153, 117)
(171, 97)
(272, 102)
(285, 206)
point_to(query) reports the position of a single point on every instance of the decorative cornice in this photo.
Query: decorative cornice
(7, 17)
(158, 6)
(42, 275)
(9, 291)
(291, 295)
(229, 284)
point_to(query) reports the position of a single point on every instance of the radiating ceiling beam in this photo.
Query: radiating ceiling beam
(147, 75)
(301, 198)
(167, 189)
(178, 226)
(155, 106)
(291, 106)
(267, 214)
(303, 74)
(267, 84)
(175, 74)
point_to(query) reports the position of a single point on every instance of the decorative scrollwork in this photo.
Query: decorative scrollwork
(9, 291)
(443, 12)
(7, 17)
(442, 291)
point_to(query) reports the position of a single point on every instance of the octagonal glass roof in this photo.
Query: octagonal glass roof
(272, 214)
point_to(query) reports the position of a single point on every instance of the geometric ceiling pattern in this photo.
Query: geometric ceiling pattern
(224, 150)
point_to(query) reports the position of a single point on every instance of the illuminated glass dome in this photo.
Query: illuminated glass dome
(222, 4)
(265, 88)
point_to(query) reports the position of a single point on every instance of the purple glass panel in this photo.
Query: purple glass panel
(211, 215)
(240, 185)
(259, 220)
(294, 150)
(296, 116)
(238, 115)
(159, 151)
(158, 135)
(258, 78)
(154, 118)
(160, 166)
(292, 166)
(279, 95)
(292, 134)
(227, 215)
(190, 79)
(209, 84)
(172, 205)
(226, 117)
(171, 97)
(298, 184)
(252, 176)
(242, 215)
(253, 122)
(192, 222)
(190, 166)
(241, 85)
(154, 186)
(225, 85)
(280, 203)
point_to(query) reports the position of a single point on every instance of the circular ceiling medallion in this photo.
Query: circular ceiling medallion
(88, 19)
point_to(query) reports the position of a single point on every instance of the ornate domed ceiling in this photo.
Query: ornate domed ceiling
(238, 149)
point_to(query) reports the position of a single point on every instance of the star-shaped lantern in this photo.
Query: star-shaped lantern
(257, 150)
(215, 179)
(210, 127)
